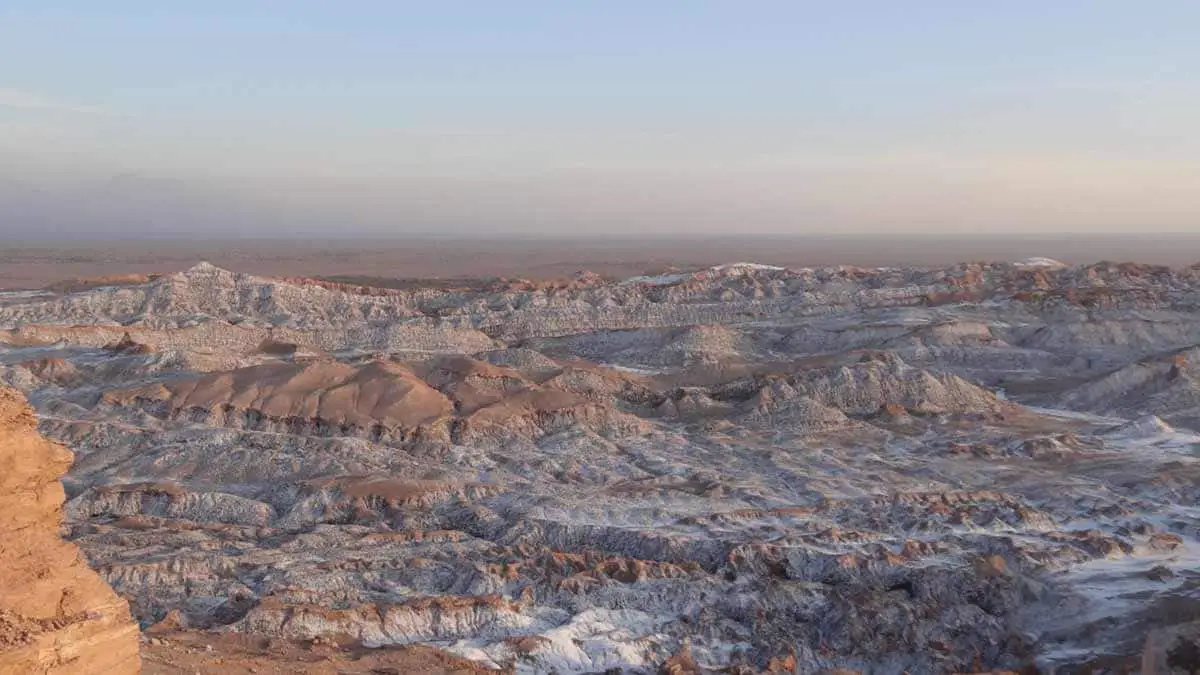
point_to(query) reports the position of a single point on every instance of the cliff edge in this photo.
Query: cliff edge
(57, 616)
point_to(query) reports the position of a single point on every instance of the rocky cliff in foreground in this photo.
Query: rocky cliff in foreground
(56, 615)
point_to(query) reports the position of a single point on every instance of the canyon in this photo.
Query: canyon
(740, 468)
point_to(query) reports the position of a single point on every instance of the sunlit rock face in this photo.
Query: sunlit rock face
(57, 616)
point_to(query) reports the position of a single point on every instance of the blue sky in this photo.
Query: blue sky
(665, 116)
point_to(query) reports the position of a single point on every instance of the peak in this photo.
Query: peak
(1039, 262)
(205, 267)
(746, 267)
(203, 271)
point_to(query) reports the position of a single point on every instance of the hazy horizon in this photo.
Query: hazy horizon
(539, 118)
(34, 264)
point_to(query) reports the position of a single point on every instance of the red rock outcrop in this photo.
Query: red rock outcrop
(57, 617)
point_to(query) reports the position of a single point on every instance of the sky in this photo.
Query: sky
(664, 117)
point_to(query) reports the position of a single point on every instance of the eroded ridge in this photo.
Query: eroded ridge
(746, 467)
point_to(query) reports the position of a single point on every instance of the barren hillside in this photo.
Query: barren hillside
(737, 468)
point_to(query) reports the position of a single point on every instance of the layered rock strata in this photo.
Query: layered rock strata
(57, 617)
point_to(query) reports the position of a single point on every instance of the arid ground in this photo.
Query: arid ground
(321, 458)
(25, 264)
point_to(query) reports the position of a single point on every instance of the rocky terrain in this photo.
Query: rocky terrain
(742, 468)
(57, 617)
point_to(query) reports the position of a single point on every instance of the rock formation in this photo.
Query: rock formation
(57, 617)
(743, 468)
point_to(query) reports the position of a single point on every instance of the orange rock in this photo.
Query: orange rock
(781, 665)
(681, 663)
(992, 566)
(173, 621)
(57, 616)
